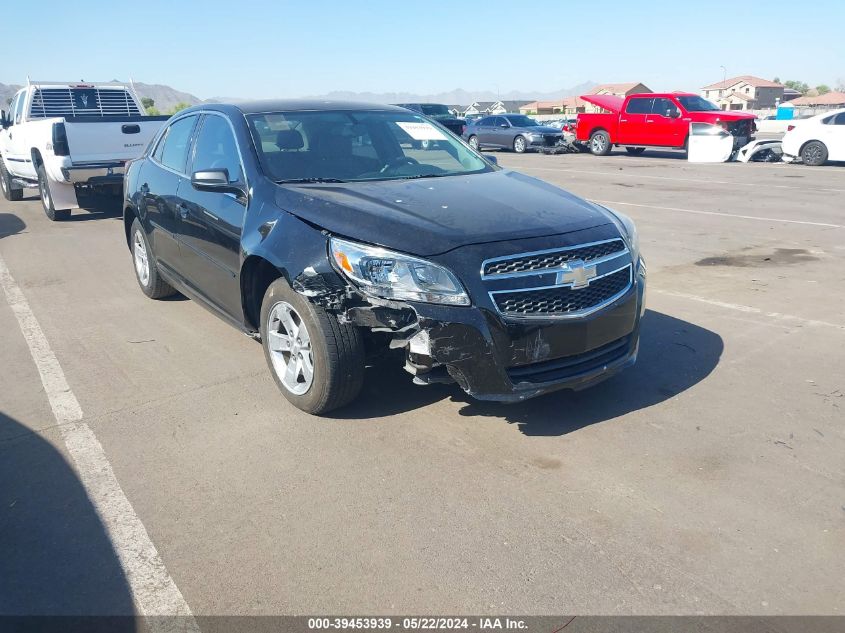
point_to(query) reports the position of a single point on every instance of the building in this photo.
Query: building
(568, 106)
(830, 100)
(620, 90)
(493, 107)
(745, 92)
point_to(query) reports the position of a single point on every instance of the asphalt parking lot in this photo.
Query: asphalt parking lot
(708, 479)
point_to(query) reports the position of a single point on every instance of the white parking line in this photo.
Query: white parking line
(621, 174)
(153, 590)
(726, 215)
(738, 307)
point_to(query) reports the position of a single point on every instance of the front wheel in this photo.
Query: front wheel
(519, 144)
(635, 151)
(146, 271)
(47, 200)
(600, 143)
(473, 142)
(6, 184)
(316, 361)
(814, 153)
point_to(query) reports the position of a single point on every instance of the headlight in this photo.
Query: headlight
(390, 275)
(628, 229)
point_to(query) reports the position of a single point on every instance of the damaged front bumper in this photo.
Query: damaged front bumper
(499, 359)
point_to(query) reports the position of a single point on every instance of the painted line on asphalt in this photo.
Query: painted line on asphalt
(725, 215)
(153, 590)
(738, 307)
(618, 174)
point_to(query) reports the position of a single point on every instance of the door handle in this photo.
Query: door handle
(183, 210)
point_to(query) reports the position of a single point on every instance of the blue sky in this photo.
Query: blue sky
(245, 48)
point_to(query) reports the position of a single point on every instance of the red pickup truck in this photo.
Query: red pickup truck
(655, 120)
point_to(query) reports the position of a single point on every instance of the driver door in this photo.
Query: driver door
(665, 125)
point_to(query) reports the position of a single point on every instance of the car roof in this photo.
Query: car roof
(294, 105)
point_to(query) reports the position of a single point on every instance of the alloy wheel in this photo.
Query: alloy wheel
(519, 145)
(142, 261)
(290, 348)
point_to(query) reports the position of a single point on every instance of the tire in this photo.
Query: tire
(47, 200)
(472, 141)
(144, 263)
(635, 151)
(335, 350)
(520, 144)
(600, 143)
(6, 185)
(814, 154)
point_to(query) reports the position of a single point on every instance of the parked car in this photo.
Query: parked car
(472, 118)
(511, 131)
(440, 113)
(59, 137)
(655, 120)
(316, 227)
(816, 140)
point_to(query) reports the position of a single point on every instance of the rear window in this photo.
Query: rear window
(639, 106)
(82, 101)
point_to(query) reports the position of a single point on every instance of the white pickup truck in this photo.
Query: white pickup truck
(60, 137)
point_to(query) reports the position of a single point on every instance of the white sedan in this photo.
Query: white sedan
(816, 140)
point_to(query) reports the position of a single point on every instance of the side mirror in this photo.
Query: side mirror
(503, 125)
(4, 122)
(491, 159)
(673, 113)
(214, 180)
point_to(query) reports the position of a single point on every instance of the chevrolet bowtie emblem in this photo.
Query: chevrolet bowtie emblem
(577, 276)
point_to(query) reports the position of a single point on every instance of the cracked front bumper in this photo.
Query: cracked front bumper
(492, 358)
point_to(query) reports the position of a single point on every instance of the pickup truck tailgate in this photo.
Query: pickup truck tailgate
(105, 139)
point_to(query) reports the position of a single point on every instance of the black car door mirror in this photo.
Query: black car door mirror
(214, 180)
(491, 159)
(4, 122)
(673, 113)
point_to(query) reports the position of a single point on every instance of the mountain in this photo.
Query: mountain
(7, 91)
(459, 96)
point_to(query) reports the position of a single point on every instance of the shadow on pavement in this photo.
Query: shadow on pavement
(674, 356)
(55, 555)
(10, 224)
(98, 207)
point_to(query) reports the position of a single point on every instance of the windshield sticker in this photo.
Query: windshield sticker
(421, 131)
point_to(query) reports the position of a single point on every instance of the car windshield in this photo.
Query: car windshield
(434, 109)
(366, 145)
(522, 121)
(697, 104)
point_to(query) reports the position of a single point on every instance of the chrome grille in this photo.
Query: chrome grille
(563, 300)
(548, 260)
(94, 102)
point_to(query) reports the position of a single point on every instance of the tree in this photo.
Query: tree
(147, 103)
(178, 107)
(776, 80)
(800, 86)
(840, 84)
(153, 111)
(822, 89)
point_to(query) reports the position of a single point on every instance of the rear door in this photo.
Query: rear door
(633, 128)
(212, 221)
(109, 139)
(161, 178)
(485, 131)
(664, 128)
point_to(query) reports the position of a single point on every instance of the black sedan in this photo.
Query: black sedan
(511, 131)
(324, 231)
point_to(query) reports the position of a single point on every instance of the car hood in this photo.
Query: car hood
(723, 115)
(435, 215)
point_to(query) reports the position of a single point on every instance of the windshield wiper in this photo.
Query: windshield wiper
(425, 176)
(307, 180)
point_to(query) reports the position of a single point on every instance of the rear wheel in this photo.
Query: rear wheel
(635, 151)
(600, 143)
(519, 144)
(47, 200)
(316, 361)
(814, 153)
(473, 142)
(6, 184)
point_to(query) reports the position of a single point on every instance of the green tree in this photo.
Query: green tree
(776, 80)
(178, 107)
(147, 103)
(800, 86)
(822, 89)
(153, 111)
